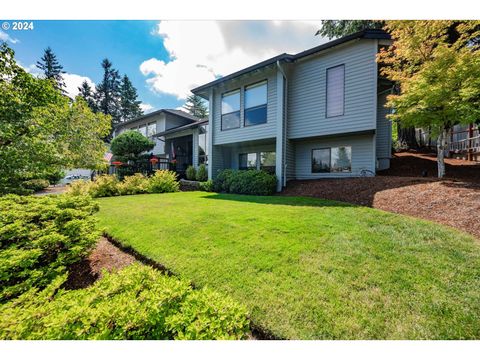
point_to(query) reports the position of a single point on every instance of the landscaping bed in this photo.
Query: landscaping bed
(309, 268)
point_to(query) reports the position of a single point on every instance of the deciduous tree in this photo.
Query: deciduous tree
(437, 65)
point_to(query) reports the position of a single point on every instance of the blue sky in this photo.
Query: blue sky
(164, 60)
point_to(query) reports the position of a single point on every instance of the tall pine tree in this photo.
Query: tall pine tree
(339, 28)
(108, 94)
(129, 105)
(86, 92)
(196, 106)
(52, 69)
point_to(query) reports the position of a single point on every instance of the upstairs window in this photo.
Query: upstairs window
(231, 110)
(335, 91)
(247, 161)
(143, 130)
(151, 129)
(256, 104)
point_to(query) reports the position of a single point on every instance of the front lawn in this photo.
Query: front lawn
(309, 268)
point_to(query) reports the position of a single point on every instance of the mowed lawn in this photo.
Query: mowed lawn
(309, 268)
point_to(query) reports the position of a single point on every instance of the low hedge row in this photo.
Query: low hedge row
(135, 303)
(251, 182)
(39, 237)
(162, 181)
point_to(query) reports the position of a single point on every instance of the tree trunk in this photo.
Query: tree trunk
(406, 135)
(441, 146)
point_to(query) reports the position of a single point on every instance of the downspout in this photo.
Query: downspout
(284, 119)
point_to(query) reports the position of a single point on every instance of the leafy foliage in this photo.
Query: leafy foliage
(251, 182)
(129, 105)
(105, 185)
(41, 130)
(202, 173)
(52, 69)
(339, 28)
(191, 173)
(35, 184)
(207, 186)
(163, 181)
(135, 303)
(134, 184)
(437, 64)
(196, 106)
(39, 237)
(129, 145)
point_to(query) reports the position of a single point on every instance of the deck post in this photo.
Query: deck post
(210, 130)
(280, 131)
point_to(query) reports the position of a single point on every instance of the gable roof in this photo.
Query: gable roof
(364, 34)
(175, 112)
(182, 127)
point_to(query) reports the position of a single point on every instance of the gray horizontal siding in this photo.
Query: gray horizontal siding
(255, 132)
(307, 92)
(362, 155)
(384, 134)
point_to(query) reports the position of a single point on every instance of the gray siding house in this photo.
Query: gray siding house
(316, 114)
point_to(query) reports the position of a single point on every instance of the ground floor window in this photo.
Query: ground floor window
(247, 161)
(267, 161)
(335, 159)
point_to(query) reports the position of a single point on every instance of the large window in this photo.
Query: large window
(143, 130)
(247, 161)
(202, 144)
(152, 129)
(231, 110)
(335, 159)
(267, 161)
(256, 104)
(335, 91)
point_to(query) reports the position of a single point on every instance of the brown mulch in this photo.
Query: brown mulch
(105, 256)
(454, 201)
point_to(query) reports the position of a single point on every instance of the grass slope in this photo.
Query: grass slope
(309, 268)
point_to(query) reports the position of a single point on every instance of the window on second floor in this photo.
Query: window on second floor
(335, 91)
(151, 129)
(231, 110)
(256, 104)
(143, 130)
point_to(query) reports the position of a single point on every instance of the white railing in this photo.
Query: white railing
(470, 144)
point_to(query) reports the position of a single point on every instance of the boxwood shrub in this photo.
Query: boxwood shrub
(136, 303)
(39, 237)
(202, 173)
(251, 182)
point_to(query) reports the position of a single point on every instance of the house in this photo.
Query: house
(316, 114)
(176, 134)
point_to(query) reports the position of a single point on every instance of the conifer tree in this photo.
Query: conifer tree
(129, 105)
(86, 92)
(52, 69)
(196, 106)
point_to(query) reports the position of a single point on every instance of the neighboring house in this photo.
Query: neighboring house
(316, 114)
(176, 134)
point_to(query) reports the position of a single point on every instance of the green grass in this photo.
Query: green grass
(309, 268)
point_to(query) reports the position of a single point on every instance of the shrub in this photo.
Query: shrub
(207, 186)
(251, 182)
(135, 184)
(202, 173)
(39, 237)
(79, 187)
(54, 176)
(163, 181)
(191, 173)
(35, 184)
(135, 303)
(104, 185)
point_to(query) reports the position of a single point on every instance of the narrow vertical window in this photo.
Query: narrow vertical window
(256, 104)
(231, 110)
(335, 91)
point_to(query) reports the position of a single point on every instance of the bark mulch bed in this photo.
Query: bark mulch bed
(105, 256)
(454, 201)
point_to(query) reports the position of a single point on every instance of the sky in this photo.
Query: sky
(163, 59)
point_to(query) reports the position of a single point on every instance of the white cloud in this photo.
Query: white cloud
(200, 51)
(7, 38)
(146, 108)
(73, 82)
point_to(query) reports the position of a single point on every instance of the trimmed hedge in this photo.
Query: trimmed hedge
(39, 237)
(135, 303)
(250, 182)
(191, 173)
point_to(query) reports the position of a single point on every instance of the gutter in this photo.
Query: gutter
(284, 120)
